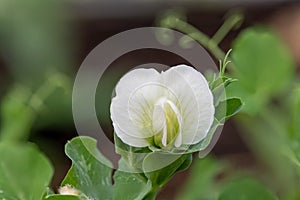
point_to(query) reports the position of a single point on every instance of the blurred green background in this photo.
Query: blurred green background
(42, 44)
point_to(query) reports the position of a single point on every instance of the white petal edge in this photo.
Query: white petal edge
(185, 100)
(178, 140)
(204, 98)
(132, 141)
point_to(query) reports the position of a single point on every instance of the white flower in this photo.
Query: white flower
(68, 190)
(166, 109)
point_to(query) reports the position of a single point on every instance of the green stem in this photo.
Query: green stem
(210, 44)
(46, 89)
(151, 195)
(226, 27)
(200, 37)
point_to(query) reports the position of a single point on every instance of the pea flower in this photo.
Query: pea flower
(165, 110)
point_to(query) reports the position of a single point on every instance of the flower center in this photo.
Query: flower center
(166, 123)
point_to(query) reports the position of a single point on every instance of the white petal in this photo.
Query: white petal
(204, 99)
(183, 96)
(123, 118)
(178, 141)
(132, 141)
(164, 137)
(135, 78)
(158, 119)
(141, 106)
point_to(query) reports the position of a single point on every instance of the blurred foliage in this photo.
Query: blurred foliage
(36, 41)
(35, 37)
(21, 107)
(266, 71)
(263, 67)
(212, 179)
(17, 117)
(24, 172)
(246, 189)
(202, 182)
(36, 45)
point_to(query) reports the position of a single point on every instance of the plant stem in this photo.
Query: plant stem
(200, 37)
(229, 24)
(210, 44)
(151, 195)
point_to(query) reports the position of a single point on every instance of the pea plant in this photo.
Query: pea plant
(161, 119)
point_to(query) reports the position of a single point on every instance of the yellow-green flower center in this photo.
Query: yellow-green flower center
(166, 124)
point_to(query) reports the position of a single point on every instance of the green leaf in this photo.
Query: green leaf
(91, 171)
(230, 106)
(246, 189)
(133, 156)
(263, 66)
(136, 185)
(48, 192)
(130, 186)
(24, 172)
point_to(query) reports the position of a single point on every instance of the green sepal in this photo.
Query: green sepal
(133, 156)
(230, 107)
(159, 167)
